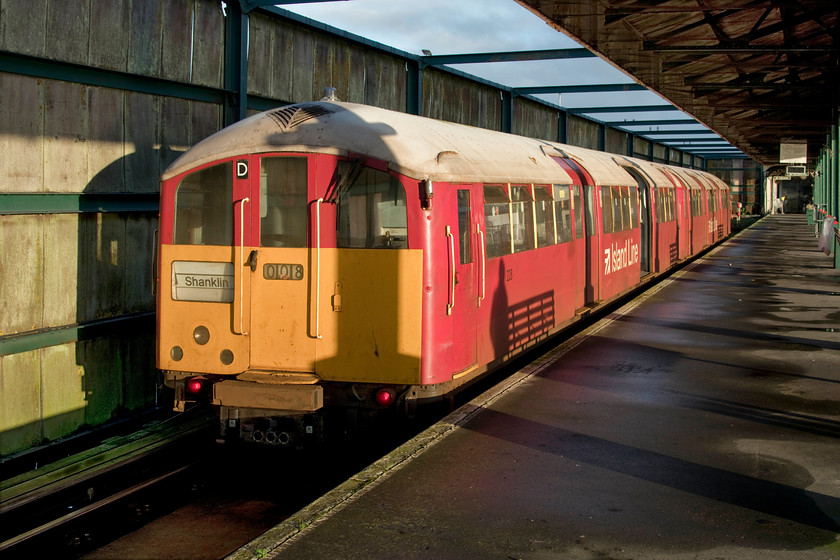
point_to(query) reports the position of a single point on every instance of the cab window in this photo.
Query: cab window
(372, 212)
(283, 202)
(204, 207)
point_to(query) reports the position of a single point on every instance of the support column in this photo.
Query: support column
(414, 88)
(236, 64)
(507, 111)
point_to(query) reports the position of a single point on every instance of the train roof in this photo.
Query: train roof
(417, 147)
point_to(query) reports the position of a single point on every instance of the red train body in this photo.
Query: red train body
(331, 257)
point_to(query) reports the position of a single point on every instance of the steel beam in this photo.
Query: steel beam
(626, 123)
(512, 56)
(87, 75)
(595, 88)
(675, 132)
(77, 203)
(33, 340)
(627, 109)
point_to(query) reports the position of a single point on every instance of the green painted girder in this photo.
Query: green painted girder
(42, 338)
(595, 88)
(70, 72)
(628, 124)
(35, 67)
(77, 203)
(674, 132)
(511, 56)
(623, 109)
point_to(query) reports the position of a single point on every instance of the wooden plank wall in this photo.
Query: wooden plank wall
(64, 137)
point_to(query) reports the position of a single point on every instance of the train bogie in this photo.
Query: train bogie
(327, 257)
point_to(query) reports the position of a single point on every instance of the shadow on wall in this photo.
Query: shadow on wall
(94, 270)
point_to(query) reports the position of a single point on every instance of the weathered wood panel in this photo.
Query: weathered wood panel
(208, 45)
(105, 145)
(144, 38)
(535, 120)
(660, 152)
(143, 134)
(21, 270)
(108, 47)
(303, 52)
(60, 269)
(20, 401)
(68, 30)
(641, 147)
(616, 141)
(18, 38)
(21, 133)
(62, 391)
(582, 132)
(65, 136)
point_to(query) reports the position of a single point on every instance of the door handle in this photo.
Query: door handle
(252, 260)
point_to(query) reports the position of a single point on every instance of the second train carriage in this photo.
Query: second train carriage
(330, 256)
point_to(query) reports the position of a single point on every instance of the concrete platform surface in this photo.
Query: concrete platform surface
(701, 421)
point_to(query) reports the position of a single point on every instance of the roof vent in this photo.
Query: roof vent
(329, 94)
(289, 118)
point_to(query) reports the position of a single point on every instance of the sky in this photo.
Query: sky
(470, 26)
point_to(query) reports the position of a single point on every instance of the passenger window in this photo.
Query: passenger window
(204, 207)
(624, 196)
(634, 207)
(577, 207)
(522, 217)
(464, 222)
(283, 202)
(607, 209)
(544, 207)
(497, 220)
(372, 212)
(590, 211)
(563, 207)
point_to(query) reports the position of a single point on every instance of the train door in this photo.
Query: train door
(644, 221)
(587, 206)
(579, 242)
(243, 210)
(466, 259)
(278, 264)
(592, 292)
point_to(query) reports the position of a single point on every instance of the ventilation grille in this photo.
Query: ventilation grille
(289, 118)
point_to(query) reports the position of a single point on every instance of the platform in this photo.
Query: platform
(699, 421)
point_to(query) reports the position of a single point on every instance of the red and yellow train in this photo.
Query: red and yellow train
(332, 257)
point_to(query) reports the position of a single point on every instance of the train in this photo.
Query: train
(328, 261)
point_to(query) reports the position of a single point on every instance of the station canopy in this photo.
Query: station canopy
(759, 73)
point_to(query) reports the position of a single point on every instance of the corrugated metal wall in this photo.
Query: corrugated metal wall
(93, 107)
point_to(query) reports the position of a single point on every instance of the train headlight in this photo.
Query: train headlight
(176, 353)
(201, 335)
(226, 357)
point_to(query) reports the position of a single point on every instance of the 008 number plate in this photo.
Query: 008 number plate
(280, 271)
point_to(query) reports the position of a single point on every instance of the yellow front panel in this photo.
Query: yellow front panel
(370, 315)
(178, 320)
(281, 338)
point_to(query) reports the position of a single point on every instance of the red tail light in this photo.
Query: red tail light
(196, 385)
(385, 397)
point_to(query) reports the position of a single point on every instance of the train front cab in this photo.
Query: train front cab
(278, 285)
